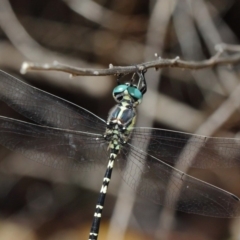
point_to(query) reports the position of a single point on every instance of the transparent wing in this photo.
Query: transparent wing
(207, 152)
(45, 108)
(64, 149)
(196, 196)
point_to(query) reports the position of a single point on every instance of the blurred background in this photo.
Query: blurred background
(38, 202)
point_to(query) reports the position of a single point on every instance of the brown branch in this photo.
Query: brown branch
(216, 60)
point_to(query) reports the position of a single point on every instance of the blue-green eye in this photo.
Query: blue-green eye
(118, 92)
(119, 89)
(135, 93)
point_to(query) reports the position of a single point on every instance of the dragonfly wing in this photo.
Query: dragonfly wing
(45, 108)
(196, 196)
(63, 149)
(194, 150)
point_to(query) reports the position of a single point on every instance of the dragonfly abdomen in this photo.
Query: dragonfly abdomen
(114, 149)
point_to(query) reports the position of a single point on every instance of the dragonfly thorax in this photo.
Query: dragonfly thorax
(121, 120)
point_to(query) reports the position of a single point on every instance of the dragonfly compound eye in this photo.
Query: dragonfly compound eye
(135, 93)
(118, 92)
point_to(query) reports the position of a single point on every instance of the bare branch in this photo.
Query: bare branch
(216, 60)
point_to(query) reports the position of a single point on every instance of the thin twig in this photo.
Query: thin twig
(216, 60)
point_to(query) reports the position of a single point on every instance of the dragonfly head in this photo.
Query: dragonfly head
(127, 92)
(130, 91)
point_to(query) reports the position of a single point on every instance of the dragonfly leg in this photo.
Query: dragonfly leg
(142, 81)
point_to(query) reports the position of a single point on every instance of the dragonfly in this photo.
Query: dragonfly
(66, 136)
